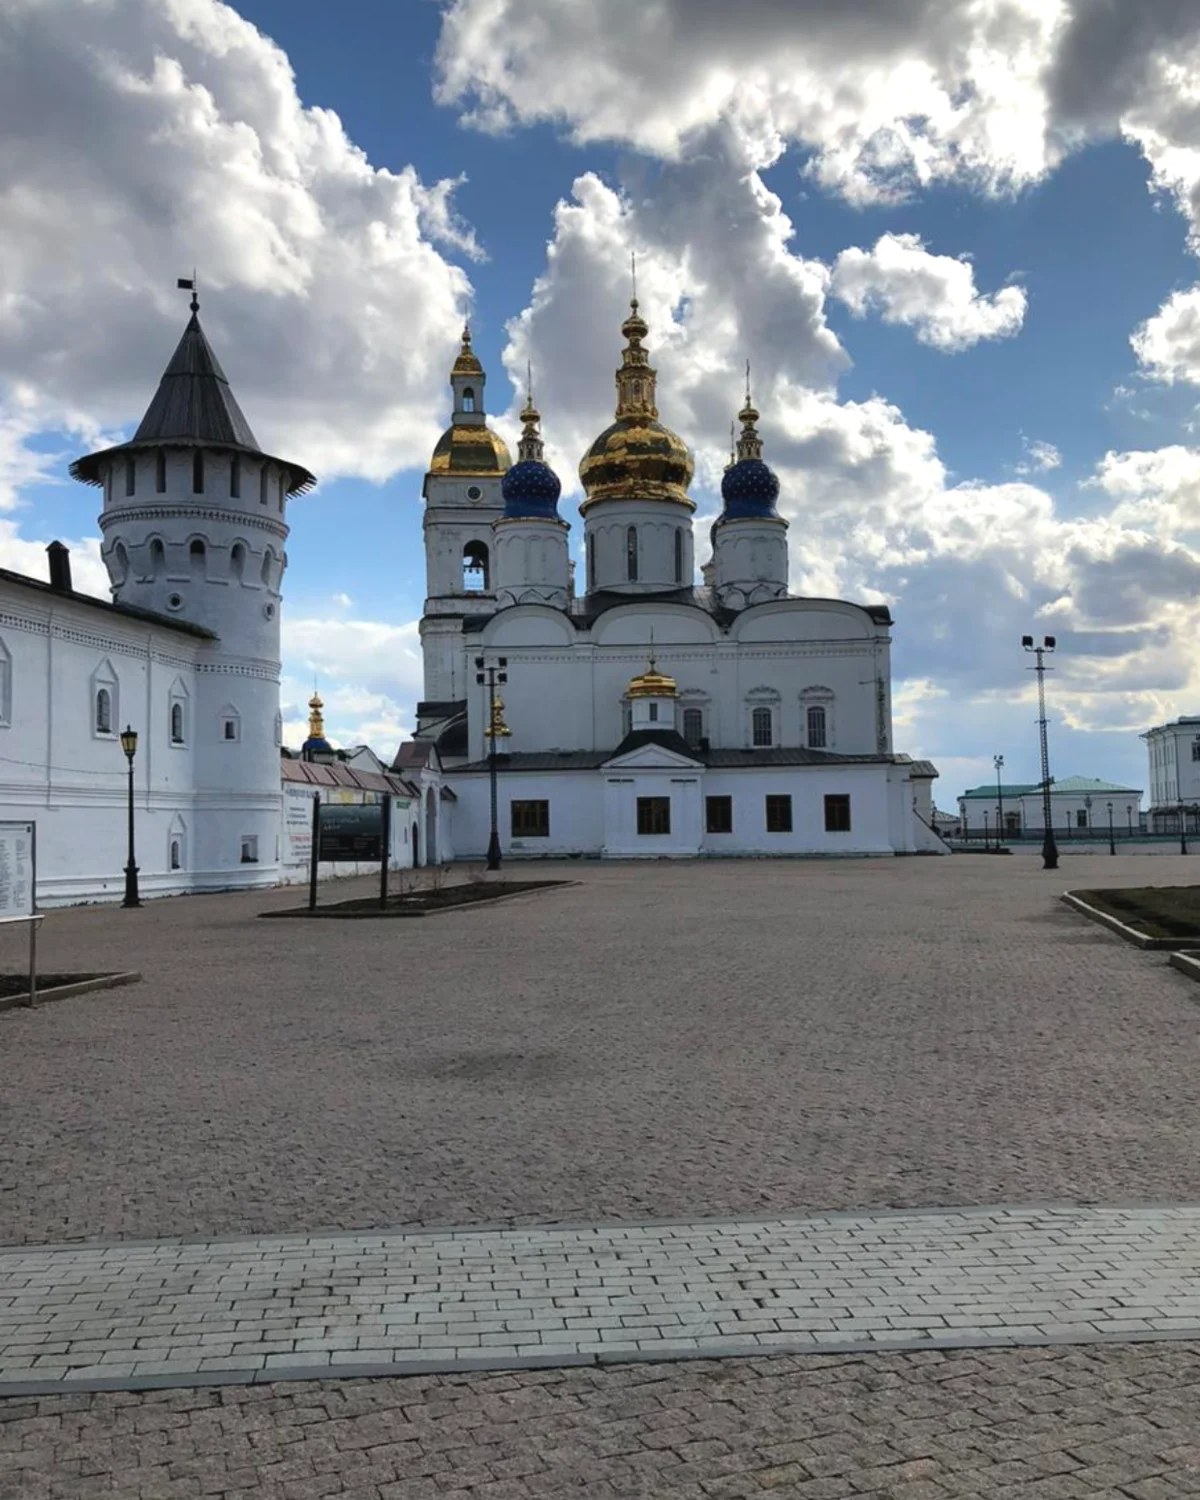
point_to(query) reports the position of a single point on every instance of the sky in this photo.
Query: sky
(957, 240)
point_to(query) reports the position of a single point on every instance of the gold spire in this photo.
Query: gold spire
(497, 728)
(530, 445)
(316, 720)
(749, 444)
(652, 683)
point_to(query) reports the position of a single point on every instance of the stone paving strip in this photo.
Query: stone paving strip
(284, 1307)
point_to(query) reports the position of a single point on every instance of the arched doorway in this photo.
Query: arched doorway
(431, 847)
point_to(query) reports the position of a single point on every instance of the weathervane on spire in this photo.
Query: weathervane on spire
(185, 285)
(633, 274)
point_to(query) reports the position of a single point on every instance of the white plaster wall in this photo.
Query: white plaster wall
(684, 788)
(657, 523)
(576, 813)
(750, 560)
(452, 519)
(531, 562)
(867, 787)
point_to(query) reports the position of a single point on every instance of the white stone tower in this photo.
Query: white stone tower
(749, 537)
(462, 499)
(194, 528)
(530, 549)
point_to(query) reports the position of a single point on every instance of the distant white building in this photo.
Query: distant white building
(1078, 804)
(1174, 755)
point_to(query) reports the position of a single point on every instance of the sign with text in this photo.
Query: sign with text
(16, 870)
(351, 833)
(297, 823)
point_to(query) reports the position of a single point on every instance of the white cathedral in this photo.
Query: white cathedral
(644, 716)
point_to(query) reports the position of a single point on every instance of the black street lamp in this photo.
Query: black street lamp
(987, 832)
(998, 762)
(1182, 837)
(129, 745)
(1112, 847)
(492, 673)
(1049, 847)
(1087, 815)
(1129, 817)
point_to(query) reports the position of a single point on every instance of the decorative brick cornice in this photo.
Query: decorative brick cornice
(110, 520)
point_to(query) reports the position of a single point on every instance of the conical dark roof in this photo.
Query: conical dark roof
(193, 407)
(194, 401)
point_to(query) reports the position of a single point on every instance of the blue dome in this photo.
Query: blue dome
(316, 742)
(531, 490)
(749, 488)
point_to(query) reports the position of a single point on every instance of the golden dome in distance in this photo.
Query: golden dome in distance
(637, 458)
(652, 684)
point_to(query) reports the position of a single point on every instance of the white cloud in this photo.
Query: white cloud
(1168, 344)
(1038, 458)
(367, 672)
(933, 294)
(142, 137)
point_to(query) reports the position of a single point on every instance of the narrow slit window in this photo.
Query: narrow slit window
(160, 472)
(198, 473)
(631, 554)
(130, 475)
(235, 477)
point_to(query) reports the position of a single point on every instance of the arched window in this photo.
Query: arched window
(761, 728)
(631, 554)
(158, 558)
(235, 477)
(693, 726)
(196, 556)
(678, 556)
(160, 471)
(475, 568)
(120, 562)
(130, 474)
(176, 855)
(468, 403)
(264, 479)
(816, 726)
(103, 711)
(268, 564)
(198, 473)
(237, 562)
(177, 724)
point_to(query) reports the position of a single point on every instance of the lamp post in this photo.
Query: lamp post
(998, 762)
(1112, 846)
(129, 745)
(1182, 834)
(492, 673)
(1087, 814)
(987, 832)
(1129, 817)
(1049, 847)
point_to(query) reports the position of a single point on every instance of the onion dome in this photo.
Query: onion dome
(748, 487)
(316, 728)
(652, 684)
(531, 487)
(469, 446)
(636, 458)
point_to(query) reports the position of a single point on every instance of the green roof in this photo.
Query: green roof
(1077, 785)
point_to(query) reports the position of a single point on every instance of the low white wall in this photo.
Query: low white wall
(576, 813)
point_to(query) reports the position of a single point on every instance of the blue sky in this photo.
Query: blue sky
(989, 461)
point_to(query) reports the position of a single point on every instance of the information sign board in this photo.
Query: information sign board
(16, 870)
(351, 833)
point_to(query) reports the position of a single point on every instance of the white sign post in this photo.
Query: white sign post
(18, 887)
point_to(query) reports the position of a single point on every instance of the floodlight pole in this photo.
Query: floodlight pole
(1049, 847)
(998, 762)
(492, 673)
(1112, 843)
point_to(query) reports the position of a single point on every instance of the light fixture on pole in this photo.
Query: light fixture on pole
(1049, 847)
(998, 762)
(491, 674)
(1129, 817)
(1182, 833)
(129, 741)
(1112, 845)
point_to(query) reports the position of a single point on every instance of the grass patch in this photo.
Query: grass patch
(1158, 911)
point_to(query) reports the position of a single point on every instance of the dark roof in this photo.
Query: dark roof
(669, 739)
(441, 708)
(585, 611)
(128, 611)
(193, 407)
(923, 770)
(590, 760)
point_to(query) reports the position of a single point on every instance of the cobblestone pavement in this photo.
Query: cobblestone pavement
(288, 1308)
(662, 1040)
(1029, 1424)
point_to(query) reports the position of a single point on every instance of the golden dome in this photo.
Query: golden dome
(636, 458)
(466, 361)
(652, 684)
(470, 450)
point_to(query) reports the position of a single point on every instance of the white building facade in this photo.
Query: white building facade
(186, 654)
(1173, 750)
(1079, 808)
(645, 716)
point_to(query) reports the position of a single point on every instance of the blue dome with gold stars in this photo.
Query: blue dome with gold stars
(749, 488)
(531, 489)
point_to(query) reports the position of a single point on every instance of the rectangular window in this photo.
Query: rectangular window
(779, 814)
(1081, 817)
(1196, 749)
(249, 849)
(229, 729)
(235, 478)
(263, 476)
(160, 472)
(653, 815)
(130, 475)
(653, 707)
(718, 814)
(762, 729)
(837, 814)
(693, 726)
(530, 820)
(816, 727)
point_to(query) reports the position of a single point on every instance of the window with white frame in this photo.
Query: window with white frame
(231, 724)
(814, 719)
(177, 715)
(5, 686)
(693, 726)
(249, 848)
(105, 709)
(177, 844)
(762, 727)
